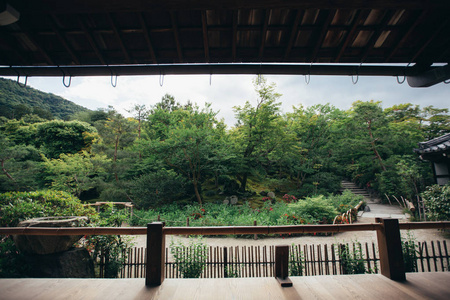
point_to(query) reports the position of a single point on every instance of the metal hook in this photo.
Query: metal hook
(357, 75)
(18, 82)
(210, 78)
(447, 81)
(64, 81)
(307, 78)
(161, 79)
(114, 84)
(401, 82)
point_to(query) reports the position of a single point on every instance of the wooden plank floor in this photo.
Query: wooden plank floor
(417, 286)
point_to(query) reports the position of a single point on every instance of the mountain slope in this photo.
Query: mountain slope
(16, 100)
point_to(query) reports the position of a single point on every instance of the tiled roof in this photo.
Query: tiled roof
(438, 144)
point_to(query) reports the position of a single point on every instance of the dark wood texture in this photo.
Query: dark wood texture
(155, 254)
(390, 249)
(367, 287)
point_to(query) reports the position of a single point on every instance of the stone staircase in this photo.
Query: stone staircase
(347, 185)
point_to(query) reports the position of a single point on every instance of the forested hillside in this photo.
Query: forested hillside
(17, 101)
(181, 153)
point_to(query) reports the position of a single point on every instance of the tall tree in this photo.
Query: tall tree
(256, 125)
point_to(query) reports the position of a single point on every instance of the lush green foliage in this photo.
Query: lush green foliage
(437, 202)
(307, 211)
(190, 260)
(17, 101)
(351, 258)
(19, 206)
(410, 250)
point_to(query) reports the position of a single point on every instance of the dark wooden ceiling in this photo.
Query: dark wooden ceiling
(136, 32)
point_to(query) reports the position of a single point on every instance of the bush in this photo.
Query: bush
(160, 187)
(315, 210)
(19, 206)
(191, 259)
(352, 262)
(437, 202)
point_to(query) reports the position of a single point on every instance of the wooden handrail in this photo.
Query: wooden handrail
(218, 230)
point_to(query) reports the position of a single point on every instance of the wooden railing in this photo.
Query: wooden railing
(388, 236)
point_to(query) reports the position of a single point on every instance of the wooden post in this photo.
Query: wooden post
(390, 249)
(225, 262)
(255, 236)
(187, 225)
(282, 265)
(155, 254)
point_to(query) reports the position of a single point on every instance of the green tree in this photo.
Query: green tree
(188, 143)
(75, 173)
(256, 127)
(58, 137)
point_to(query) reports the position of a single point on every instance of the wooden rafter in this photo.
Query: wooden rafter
(205, 35)
(6, 38)
(360, 15)
(294, 32)
(406, 33)
(376, 35)
(323, 32)
(36, 43)
(91, 41)
(234, 35)
(147, 37)
(119, 38)
(430, 39)
(63, 40)
(264, 33)
(176, 35)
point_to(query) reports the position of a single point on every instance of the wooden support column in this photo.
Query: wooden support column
(155, 254)
(282, 265)
(390, 249)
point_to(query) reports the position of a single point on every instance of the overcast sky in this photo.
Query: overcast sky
(226, 91)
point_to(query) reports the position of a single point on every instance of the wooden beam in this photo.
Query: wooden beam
(376, 35)
(430, 39)
(329, 18)
(431, 77)
(156, 246)
(91, 41)
(18, 52)
(234, 35)
(282, 265)
(390, 249)
(89, 6)
(176, 36)
(36, 43)
(205, 36)
(62, 39)
(294, 32)
(224, 69)
(147, 37)
(264, 33)
(406, 33)
(360, 15)
(119, 38)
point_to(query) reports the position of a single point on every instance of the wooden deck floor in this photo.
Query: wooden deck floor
(417, 286)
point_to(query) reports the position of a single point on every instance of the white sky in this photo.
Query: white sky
(227, 91)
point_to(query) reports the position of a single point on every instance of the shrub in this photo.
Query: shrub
(437, 202)
(190, 259)
(314, 210)
(19, 206)
(352, 262)
(160, 187)
(410, 249)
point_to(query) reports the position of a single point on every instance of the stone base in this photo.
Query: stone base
(74, 263)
